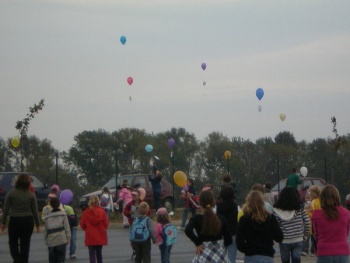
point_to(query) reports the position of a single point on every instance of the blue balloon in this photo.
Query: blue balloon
(260, 93)
(149, 148)
(123, 40)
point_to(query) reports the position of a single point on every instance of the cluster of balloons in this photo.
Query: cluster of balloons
(180, 178)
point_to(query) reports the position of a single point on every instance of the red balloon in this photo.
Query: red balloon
(130, 80)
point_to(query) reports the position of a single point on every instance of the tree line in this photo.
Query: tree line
(98, 155)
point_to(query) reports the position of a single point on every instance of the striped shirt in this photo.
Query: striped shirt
(295, 224)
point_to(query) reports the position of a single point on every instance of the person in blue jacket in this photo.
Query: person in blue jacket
(155, 179)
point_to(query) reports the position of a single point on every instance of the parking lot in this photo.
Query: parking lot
(118, 249)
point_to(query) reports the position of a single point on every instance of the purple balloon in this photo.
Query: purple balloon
(66, 197)
(171, 142)
(204, 66)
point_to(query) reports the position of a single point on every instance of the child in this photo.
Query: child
(125, 197)
(315, 191)
(141, 233)
(106, 201)
(307, 207)
(207, 230)
(131, 209)
(162, 238)
(228, 209)
(188, 194)
(73, 224)
(94, 222)
(57, 232)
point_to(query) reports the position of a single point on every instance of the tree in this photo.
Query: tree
(22, 126)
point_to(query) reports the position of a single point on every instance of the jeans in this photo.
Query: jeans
(165, 253)
(289, 250)
(108, 211)
(57, 254)
(333, 259)
(20, 229)
(232, 250)
(258, 259)
(95, 252)
(185, 214)
(73, 239)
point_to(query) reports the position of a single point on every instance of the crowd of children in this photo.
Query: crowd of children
(217, 227)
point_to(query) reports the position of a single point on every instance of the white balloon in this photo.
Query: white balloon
(303, 171)
(282, 116)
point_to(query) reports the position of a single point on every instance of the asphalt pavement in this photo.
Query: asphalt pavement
(118, 249)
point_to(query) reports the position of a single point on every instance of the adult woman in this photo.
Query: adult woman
(94, 222)
(294, 222)
(228, 208)
(21, 204)
(256, 231)
(130, 210)
(331, 227)
(210, 230)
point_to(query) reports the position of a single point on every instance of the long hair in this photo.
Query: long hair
(211, 224)
(105, 190)
(93, 201)
(255, 206)
(163, 219)
(23, 181)
(330, 200)
(288, 200)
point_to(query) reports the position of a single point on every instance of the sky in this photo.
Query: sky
(68, 52)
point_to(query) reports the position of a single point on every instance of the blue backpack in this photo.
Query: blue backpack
(104, 202)
(139, 231)
(170, 234)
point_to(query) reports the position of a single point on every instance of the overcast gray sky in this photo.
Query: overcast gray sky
(68, 52)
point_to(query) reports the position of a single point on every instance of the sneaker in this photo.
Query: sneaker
(181, 228)
(304, 254)
(72, 256)
(312, 255)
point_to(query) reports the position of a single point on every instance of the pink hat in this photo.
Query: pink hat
(55, 187)
(162, 211)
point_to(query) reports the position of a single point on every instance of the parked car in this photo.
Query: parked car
(305, 184)
(135, 180)
(7, 182)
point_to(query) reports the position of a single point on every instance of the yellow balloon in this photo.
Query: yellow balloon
(282, 116)
(180, 178)
(15, 142)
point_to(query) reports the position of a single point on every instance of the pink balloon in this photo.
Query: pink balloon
(130, 80)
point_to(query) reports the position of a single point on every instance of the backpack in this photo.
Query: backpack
(104, 201)
(139, 231)
(170, 234)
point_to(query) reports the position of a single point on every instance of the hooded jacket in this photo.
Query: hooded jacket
(256, 238)
(295, 224)
(57, 230)
(95, 223)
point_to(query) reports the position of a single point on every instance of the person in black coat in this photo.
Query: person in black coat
(257, 229)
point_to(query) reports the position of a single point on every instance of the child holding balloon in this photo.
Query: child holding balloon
(188, 194)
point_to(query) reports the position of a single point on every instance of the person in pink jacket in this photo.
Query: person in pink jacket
(125, 197)
(331, 226)
(94, 222)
